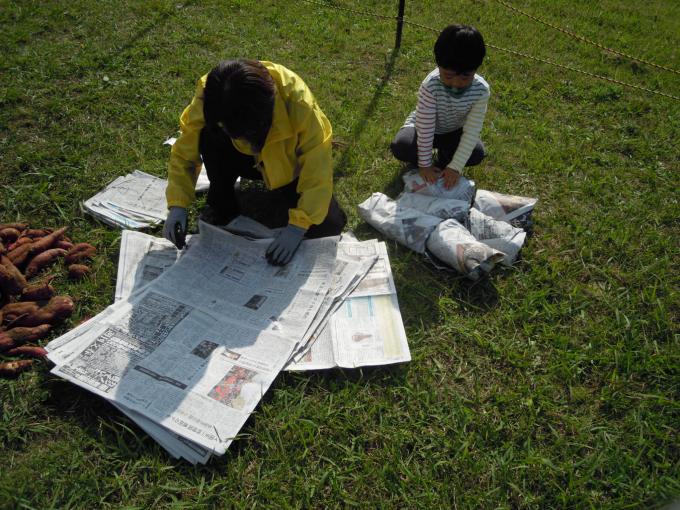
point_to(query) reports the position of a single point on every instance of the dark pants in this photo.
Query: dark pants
(405, 147)
(224, 164)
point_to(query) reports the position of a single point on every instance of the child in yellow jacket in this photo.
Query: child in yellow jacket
(256, 120)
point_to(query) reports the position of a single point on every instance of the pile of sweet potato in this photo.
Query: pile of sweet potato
(29, 306)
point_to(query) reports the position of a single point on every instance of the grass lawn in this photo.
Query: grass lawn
(554, 384)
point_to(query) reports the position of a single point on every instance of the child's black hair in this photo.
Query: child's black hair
(459, 48)
(238, 98)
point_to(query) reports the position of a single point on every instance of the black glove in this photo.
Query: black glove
(282, 249)
(175, 228)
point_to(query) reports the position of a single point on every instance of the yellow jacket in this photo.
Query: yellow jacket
(298, 145)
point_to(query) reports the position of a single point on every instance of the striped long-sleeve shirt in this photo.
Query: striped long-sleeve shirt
(441, 110)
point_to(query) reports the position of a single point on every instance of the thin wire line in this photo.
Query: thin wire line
(584, 39)
(587, 73)
(507, 50)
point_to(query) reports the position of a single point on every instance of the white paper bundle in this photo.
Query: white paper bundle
(407, 226)
(499, 235)
(463, 190)
(443, 208)
(510, 208)
(135, 200)
(454, 245)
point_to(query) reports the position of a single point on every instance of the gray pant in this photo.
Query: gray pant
(405, 147)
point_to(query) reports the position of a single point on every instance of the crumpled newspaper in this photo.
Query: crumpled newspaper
(443, 225)
(499, 235)
(454, 245)
(513, 209)
(407, 226)
(443, 208)
(463, 190)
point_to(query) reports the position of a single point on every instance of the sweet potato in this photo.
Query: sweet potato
(38, 291)
(18, 277)
(63, 244)
(9, 235)
(19, 336)
(13, 311)
(19, 226)
(19, 242)
(7, 343)
(19, 255)
(78, 271)
(9, 283)
(28, 334)
(42, 260)
(32, 351)
(80, 251)
(14, 368)
(46, 242)
(34, 233)
(58, 309)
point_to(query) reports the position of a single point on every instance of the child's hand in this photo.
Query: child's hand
(450, 178)
(430, 174)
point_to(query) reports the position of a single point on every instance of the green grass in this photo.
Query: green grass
(554, 384)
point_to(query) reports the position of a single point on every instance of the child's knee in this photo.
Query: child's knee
(478, 154)
(401, 150)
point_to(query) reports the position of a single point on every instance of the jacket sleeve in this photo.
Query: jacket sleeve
(315, 165)
(185, 160)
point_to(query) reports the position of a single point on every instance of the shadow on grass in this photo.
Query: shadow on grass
(341, 168)
(421, 286)
(109, 58)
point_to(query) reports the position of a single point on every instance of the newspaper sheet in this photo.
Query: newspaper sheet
(497, 234)
(367, 329)
(193, 358)
(454, 245)
(407, 226)
(135, 200)
(463, 190)
(443, 208)
(176, 445)
(140, 251)
(511, 208)
(142, 259)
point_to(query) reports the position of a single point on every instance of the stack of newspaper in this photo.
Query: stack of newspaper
(194, 340)
(134, 201)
